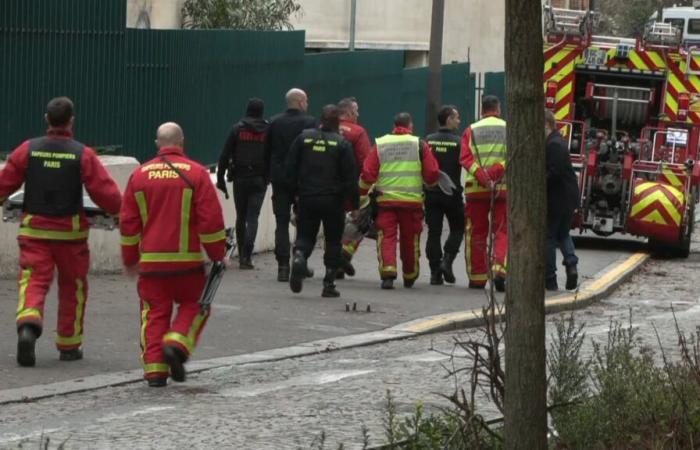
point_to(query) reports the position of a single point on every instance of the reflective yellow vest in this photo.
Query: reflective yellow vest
(400, 169)
(488, 145)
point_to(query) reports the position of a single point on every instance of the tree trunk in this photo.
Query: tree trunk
(435, 67)
(525, 385)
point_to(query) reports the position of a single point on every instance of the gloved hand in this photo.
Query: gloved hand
(483, 178)
(221, 185)
(496, 172)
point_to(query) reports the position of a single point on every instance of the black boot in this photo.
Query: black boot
(283, 272)
(73, 354)
(446, 267)
(436, 277)
(299, 271)
(408, 283)
(387, 283)
(175, 358)
(347, 267)
(499, 281)
(329, 289)
(551, 284)
(245, 263)
(26, 340)
(571, 277)
(157, 382)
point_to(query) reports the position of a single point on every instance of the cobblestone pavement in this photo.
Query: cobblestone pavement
(252, 312)
(287, 404)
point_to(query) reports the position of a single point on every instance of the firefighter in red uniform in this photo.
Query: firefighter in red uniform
(170, 211)
(357, 136)
(398, 166)
(54, 228)
(484, 157)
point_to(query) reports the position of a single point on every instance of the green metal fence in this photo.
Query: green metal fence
(125, 82)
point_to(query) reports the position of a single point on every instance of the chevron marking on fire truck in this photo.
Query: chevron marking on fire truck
(657, 203)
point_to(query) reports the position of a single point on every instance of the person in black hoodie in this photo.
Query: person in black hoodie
(446, 145)
(284, 128)
(562, 201)
(321, 167)
(247, 161)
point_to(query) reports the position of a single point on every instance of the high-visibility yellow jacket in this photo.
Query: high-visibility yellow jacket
(397, 167)
(484, 155)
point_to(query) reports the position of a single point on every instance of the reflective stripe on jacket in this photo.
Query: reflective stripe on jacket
(165, 219)
(400, 171)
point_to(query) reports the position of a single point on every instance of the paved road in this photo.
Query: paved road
(252, 312)
(287, 404)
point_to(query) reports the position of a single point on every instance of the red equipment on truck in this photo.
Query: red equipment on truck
(630, 110)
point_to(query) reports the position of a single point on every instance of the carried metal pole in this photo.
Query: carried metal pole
(353, 17)
(435, 66)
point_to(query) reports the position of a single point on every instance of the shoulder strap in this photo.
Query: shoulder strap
(178, 171)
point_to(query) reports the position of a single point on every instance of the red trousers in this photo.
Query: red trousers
(158, 295)
(476, 242)
(403, 225)
(37, 260)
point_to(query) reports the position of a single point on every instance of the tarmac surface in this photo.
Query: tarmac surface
(289, 404)
(254, 312)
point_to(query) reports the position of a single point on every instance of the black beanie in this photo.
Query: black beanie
(255, 108)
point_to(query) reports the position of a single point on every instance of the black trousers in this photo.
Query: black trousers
(312, 212)
(282, 201)
(437, 207)
(248, 196)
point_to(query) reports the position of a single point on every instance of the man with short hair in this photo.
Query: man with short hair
(397, 167)
(562, 201)
(54, 229)
(284, 128)
(445, 144)
(245, 159)
(484, 156)
(170, 212)
(357, 136)
(321, 166)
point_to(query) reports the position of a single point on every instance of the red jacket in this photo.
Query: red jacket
(357, 136)
(370, 171)
(164, 221)
(97, 181)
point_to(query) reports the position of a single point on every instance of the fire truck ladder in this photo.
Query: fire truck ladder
(567, 22)
(661, 34)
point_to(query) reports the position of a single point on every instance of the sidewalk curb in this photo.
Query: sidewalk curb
(602, 284)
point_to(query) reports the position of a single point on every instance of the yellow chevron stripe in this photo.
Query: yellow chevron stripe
(563, 113)
(637, 61)
(654, 217)
(564, 91)
(695, 82)
(642, 188)
(672, 178)
(658, 60)
(672, 103)
(662, 199)
(676, 83)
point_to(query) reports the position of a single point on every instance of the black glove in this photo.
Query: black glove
(221, 185)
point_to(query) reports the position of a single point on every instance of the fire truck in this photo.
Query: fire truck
(630, 110)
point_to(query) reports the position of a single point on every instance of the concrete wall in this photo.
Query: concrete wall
(473, 28)
(105, 250)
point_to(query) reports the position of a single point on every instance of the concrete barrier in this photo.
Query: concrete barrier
(105, 250)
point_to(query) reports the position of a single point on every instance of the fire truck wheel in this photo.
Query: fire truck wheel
(665, 250)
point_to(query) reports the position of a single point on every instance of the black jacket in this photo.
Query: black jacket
(284, 128)
(562, 183)
(245, 153)
(322, 163)
(446, 146)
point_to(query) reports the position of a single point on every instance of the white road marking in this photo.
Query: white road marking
(316, 379)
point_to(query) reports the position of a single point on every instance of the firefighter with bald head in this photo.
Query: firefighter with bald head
(54, 228)
(397, 167)
(170, 211)
(484, 155)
